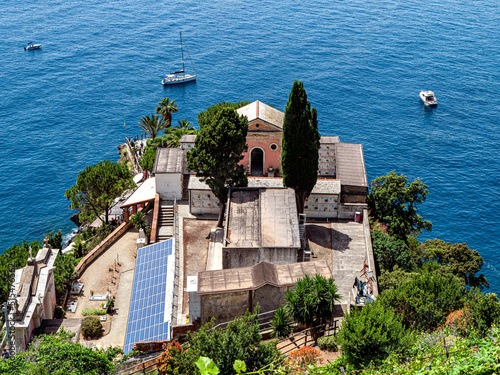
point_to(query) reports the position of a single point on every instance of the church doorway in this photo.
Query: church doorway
(257, 162)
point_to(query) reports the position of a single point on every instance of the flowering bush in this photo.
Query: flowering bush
(300, 358)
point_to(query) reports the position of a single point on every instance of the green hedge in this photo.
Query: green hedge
(89, 311)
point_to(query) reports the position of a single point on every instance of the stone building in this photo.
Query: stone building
(228, 293)
(35, 295)
(261, 225)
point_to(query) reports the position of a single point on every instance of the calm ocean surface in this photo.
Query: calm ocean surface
(363, 64)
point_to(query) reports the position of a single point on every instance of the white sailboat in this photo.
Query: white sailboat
(180, 76)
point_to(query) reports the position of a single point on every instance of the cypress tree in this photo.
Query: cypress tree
(299, 156)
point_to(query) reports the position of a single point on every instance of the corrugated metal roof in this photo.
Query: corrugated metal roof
(351, 164)
(251, 278)
(168, 160)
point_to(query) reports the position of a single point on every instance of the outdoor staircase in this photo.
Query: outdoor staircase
(165, 222)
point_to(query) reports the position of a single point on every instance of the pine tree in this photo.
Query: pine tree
(299, 156)
(218, 148)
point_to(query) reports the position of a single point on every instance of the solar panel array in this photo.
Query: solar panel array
(146, 319)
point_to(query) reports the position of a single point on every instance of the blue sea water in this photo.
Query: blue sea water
(363, 64)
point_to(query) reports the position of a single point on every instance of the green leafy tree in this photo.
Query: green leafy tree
(219, 147)
(206, 117)
(241, 340)
(369, 335)
(64, 274)
(57, 354)
(165, 108)
(312, 301)
(464, 262)
(152, 126)
(147, 160)
(394, 203)
(96, 188)
(55, 239)
(426, 298)
(391, 252)
(138, 221)
(299, 156)
(391, 279)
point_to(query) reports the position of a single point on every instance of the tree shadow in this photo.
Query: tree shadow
(320, 235)
(340, 241)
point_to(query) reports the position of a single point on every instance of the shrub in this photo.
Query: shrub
(312, 301)
(110, 305)
(59, 313)
(90, 311)
(482, 310)
(241, 340)
(371, 334)
(300, 358)
(327, 343)
(167, 361)
(281, 323)
(91, 327)
(426, 298)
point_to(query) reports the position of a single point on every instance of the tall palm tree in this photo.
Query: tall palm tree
(165, 109)
(152, 126)
(184, 124)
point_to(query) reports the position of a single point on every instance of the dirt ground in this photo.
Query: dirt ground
(196, 239)
(102, 276)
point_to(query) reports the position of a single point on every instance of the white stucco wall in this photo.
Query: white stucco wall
(169, 185)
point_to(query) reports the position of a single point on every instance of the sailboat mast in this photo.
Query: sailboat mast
(182, 51)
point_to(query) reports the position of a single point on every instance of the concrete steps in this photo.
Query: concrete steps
(165, 222)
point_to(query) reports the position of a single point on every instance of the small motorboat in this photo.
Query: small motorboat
(428, 98)
(31, 46)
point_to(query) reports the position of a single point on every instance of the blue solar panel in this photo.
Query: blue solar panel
(147, 306)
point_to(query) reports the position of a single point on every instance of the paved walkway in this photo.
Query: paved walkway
(102, 276)
(348, 255)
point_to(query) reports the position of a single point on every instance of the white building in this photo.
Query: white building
(168, 170)
(35, 295)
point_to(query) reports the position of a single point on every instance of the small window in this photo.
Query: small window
(257, 125)
(273, 146)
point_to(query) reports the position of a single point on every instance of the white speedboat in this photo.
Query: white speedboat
(32, 46)
(180, 76)
(428, 98)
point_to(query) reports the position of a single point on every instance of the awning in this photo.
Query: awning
(144, 193)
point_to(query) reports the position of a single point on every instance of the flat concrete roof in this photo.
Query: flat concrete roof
(351, 164)
(329, 140)
(188, 138)
(143, 193)
(251, 278)
(261, 111)
(323, 186)
(168, 160)
(262, 217)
